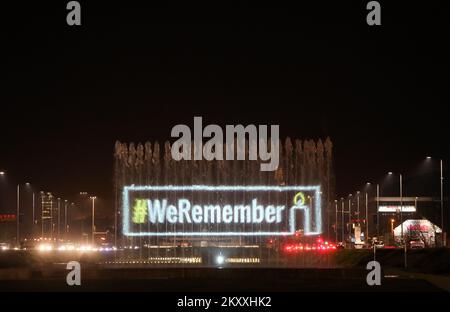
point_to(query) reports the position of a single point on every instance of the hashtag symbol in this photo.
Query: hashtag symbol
(139, 211)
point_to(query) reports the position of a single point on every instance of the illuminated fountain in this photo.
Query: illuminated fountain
(146, 176)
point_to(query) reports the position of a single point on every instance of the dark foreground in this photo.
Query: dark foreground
(428, 270)
(222, 280)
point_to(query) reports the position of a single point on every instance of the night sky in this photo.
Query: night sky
(131, 73)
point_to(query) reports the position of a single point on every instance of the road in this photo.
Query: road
(223, 280)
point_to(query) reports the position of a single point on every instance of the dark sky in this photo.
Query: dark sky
(132, 73)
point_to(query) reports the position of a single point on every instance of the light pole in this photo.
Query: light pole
(93, 217)
(59, 217)
(401, 203)
(378, 211)
(367, 211)
(350, 218)
(401, 217)
(17, 216)
(342, 212)
(115, 225)
(441, 180)
(42, 213)
(359, 218)
(52, 227)
(442, 204)
(34, 216)
(401, 211)
(357, 203)
(65, 219)
(336, 224)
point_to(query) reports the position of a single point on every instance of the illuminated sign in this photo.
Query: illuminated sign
(394, 209)
(423, 226)
(201, 210)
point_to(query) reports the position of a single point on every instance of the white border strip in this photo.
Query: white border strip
(246, 188)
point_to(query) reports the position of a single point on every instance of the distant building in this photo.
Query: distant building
(385, 213)
(422, 230)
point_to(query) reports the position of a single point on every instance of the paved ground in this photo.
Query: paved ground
(227, 280)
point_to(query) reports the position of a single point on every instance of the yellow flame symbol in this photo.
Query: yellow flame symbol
(301, 196)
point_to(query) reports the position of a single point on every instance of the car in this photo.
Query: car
(359, 245)
(340, 245)
(416, 244)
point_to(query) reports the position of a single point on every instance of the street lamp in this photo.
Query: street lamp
(33, 205)
(93, 216)
(401, 202)
(342, 212)
(368, 184)
(17, 216)
(378, 211)
(441, 165)
(357, 205)
(65, 218)
(2, 173)
(42, 213)
(59, 217)
(336, 221)
(401, 215)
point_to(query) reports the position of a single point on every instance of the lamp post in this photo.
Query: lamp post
(401, 209)
(336, 222)
(17, 216)
(52, 227)
(93, 218)
(357, 203)
(65, 218)
(401, 205)
(342, 213)
(401, 217)
(350, 218)
(34, 216)
(378, 211)
(115, 225)
(367, 212)
(42, 214)
(442, 203)
(59, 218)
(367, 188)
(441, 180)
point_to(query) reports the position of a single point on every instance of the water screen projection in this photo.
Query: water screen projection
(203, 210)
(191, 211)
